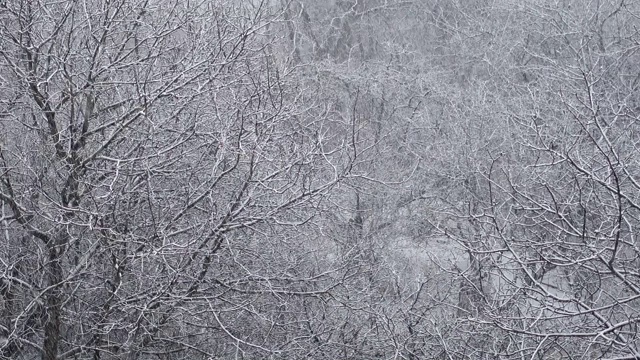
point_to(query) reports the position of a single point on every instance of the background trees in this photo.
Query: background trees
(553, 206)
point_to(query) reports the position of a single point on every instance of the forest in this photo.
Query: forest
(319, 179)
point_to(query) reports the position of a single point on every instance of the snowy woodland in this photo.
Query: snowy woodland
(319, 179)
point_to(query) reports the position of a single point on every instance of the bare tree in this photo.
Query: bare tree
(152, 154)
(550, 223)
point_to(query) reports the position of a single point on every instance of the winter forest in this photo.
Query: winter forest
(319, 179)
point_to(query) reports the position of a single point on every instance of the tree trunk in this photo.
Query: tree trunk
(53, 307)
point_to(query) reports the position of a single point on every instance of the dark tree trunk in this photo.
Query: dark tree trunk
(53, 307)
